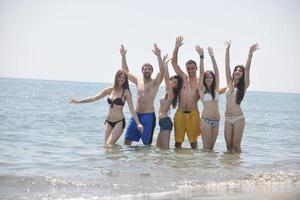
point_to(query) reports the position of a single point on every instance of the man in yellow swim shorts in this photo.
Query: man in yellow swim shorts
(187, 118)
(186, 122)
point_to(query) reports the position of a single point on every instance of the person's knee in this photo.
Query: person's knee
(236, 145)
(206, 147)
(164, 146)
(127, 142)
(229, 146)
(237, 149)
(109, 144)
(236, 142)
(178, 144)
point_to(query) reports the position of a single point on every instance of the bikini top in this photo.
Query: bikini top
(164, 100)
(231, 92)
(208, 97)
(117, 101)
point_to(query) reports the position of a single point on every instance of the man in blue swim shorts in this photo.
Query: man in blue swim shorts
(147, 89)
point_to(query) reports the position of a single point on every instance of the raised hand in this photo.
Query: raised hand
(156, 50)
(199, 50)
(227, 45)
(253, 48)
(210, 51)
(123, 51)
(165, 57)
(179, 41)
(167, 61)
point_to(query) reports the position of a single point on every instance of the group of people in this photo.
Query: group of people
(184, 89)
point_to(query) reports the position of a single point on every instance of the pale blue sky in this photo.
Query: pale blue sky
(79, 40)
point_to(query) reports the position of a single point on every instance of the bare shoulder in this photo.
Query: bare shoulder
(154, 83)
(140, 80)
(127, 92)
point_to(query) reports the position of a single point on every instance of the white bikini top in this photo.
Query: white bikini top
(208, 97)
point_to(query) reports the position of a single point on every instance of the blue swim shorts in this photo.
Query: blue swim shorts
(165, 124)
(148, 120)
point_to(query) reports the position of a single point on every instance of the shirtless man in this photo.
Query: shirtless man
(146, 91)
(187, 119)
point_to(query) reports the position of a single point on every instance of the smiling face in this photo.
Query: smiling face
(147, 71)
(208, 79)
(173, 83)
(176, 83)
(238, 72)
(191, 68)
(121, 79)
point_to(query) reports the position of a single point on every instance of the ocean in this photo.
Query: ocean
(50, 149)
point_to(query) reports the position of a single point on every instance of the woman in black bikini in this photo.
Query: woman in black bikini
(117, 96)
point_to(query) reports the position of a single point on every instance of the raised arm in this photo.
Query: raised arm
(128, 97)
(99, 96)
(201, 71)
(160, 75)
(167, 77)
(252, 49)
(131, 77)
(178, 43)
(227, 63)
(215, 66)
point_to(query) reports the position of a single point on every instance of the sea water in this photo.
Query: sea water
(50, 149)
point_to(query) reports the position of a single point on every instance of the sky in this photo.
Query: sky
(79, 40)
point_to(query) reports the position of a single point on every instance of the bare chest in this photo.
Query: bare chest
(146, 89)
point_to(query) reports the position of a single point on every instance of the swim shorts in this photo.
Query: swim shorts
(148, 120)
(187, 122)
(165, 124)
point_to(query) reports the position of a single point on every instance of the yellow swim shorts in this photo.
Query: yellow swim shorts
(187, 122)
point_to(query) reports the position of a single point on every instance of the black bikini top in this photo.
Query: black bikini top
(117, 101)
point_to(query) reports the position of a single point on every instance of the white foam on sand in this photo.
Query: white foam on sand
(266, 186)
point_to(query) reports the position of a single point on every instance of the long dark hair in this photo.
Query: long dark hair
(176, 90)
(241, 85)
(126, 84)
(213, 85)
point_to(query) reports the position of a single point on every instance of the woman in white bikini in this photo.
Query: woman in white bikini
(237, 84)
(209, 94)
(118, 94)
(173, 87)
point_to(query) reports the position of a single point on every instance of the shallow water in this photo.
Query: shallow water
(50, 149)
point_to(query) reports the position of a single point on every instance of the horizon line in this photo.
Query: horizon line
(79, 81)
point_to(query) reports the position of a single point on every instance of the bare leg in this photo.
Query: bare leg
(115, 134)
(238, 131)
(127, 142)
(206, 132)
(107, 131)
(214, 135)
(159, 140)
(228, 134)
(165, 140)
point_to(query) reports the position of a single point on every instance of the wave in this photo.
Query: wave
(45, 187)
